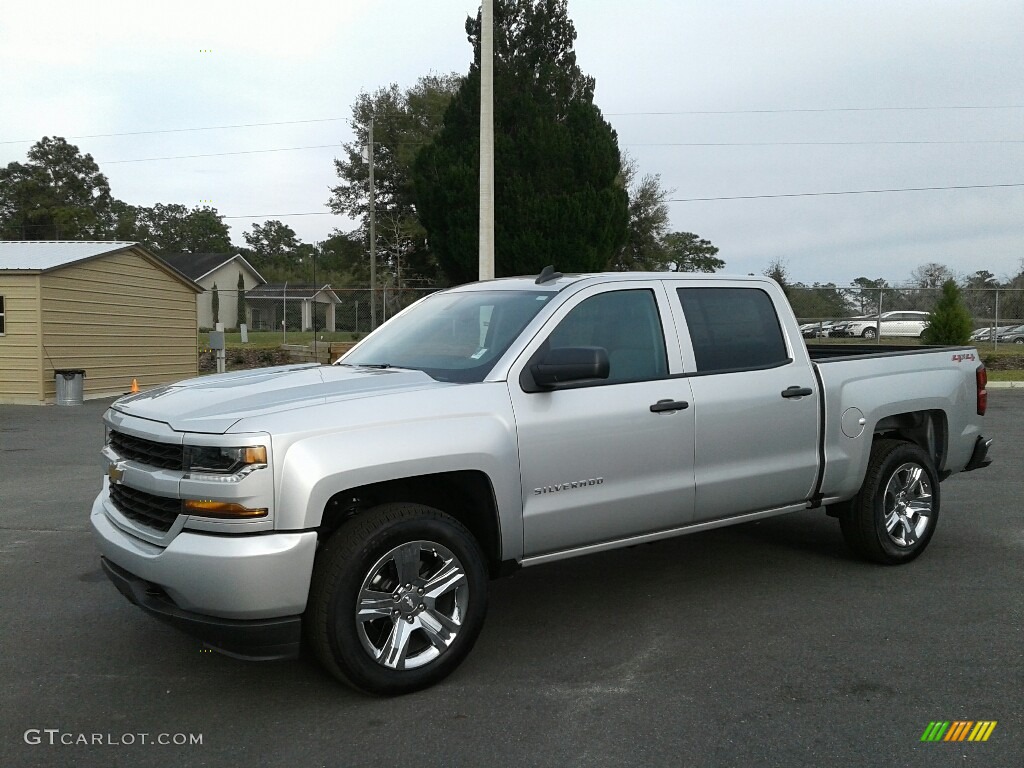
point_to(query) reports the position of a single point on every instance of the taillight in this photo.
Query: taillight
(981, 378)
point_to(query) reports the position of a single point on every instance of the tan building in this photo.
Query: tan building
(112, 309)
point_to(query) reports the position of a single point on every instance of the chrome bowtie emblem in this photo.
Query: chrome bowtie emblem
(115, 473)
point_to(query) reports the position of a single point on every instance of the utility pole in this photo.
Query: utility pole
(487, 140)
(373, 237)
(313, 303)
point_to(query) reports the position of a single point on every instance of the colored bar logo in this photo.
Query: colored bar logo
(959, 730)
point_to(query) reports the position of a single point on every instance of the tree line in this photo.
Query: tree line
(565, 193)
(824, 301)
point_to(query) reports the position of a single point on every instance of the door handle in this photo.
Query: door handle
(797, 392)
(663, 406)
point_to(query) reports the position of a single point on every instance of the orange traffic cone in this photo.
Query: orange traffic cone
(135, 386)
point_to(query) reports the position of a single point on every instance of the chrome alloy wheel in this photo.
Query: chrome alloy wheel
(908, 504)
(411, 605)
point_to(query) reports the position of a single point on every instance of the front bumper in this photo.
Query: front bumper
(258, 639)
(257, 576)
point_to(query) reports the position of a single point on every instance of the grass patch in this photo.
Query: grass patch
(1011, 375)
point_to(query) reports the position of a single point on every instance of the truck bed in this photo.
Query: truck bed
(824, 353)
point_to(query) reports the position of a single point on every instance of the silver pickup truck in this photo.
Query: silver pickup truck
(363, 507)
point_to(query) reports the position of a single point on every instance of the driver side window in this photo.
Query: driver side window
(627, 325)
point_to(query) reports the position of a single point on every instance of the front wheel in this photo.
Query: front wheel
(398, 598)
(1018, 341)
(869, 333)
(892, 518)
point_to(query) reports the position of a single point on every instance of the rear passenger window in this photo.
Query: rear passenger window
(733, 329)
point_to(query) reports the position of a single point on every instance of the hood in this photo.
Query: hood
(212, 404)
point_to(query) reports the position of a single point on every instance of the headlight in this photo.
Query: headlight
(203, 458)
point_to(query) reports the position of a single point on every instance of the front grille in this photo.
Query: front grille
(163, 455)
(157, 512)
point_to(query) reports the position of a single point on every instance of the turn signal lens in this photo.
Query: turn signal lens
(256, 454)
(222, 509)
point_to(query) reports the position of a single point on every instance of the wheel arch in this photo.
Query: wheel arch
(466, 495)
(928, 429)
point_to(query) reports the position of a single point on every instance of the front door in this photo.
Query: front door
(597, 463)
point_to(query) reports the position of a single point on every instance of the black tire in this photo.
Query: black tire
(892, 468)
(435, 634)
(868, 333)
(1018, 341)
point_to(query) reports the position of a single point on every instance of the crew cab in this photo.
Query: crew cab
(504, 424)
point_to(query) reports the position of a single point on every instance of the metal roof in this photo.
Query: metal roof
(44, 255)
(196, 266)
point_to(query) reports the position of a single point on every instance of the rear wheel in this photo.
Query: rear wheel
(398, 598)
(893, 517)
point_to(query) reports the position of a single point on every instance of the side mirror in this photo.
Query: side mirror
(570, 365)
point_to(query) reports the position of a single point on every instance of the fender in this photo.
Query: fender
(465, 427)
(880, 395)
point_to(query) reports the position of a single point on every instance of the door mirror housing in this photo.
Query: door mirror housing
(561, 366)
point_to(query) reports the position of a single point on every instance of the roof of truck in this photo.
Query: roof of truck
(529, 283)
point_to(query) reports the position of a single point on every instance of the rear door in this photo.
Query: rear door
(755, 398)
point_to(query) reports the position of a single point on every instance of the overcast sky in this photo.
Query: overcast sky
(723, 99)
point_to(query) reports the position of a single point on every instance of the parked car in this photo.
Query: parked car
(1014, 335)
(988, 333)
(840, 329)
(817, 330)
(902, 323)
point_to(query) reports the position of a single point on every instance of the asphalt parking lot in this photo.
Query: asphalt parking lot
(760, 645)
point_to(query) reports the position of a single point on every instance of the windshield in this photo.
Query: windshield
(451, 336)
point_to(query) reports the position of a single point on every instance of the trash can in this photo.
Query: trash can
(69, 386)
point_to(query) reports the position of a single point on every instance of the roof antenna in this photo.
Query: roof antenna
(547, 275)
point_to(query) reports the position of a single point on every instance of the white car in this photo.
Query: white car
(902, 323)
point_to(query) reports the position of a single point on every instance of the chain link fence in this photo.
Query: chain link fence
(301, 309)
(990, 308)
(301, 315)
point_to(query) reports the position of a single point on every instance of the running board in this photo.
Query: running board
(659, 535)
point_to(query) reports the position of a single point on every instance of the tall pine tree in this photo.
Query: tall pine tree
(559, 197)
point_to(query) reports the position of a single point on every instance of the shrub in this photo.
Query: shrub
(950, 322)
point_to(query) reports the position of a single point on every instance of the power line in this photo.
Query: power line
(220, 154)
(819, 143)
(608, 114)
(282, 215)
(685, 199)
(845, 192)
(185, 130)
(813, 110)
(707, 199)
(643, 144)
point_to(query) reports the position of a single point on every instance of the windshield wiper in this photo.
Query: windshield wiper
(381, 366)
